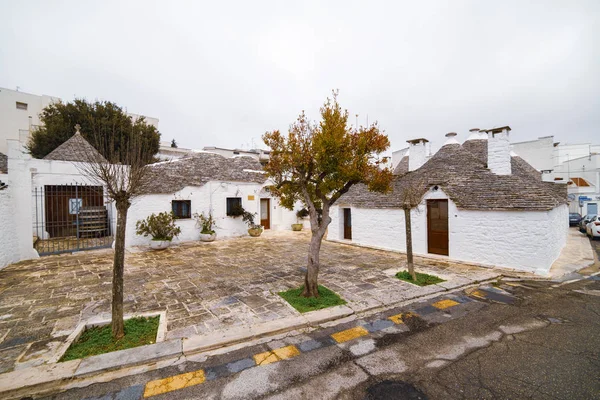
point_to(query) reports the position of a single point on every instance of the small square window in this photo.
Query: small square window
(21, 106)
(182, 208)
(233, 205)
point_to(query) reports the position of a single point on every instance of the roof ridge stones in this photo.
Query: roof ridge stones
(200, 168)
(76, 149)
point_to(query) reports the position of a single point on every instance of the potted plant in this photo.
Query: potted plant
(254, 230)
(208, 225)
(300, 215)
(161, 227)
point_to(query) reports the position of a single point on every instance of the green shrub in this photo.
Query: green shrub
(207, 223)
(247, 216)
(160, 227)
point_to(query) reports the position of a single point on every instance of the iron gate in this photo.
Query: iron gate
(71, 218)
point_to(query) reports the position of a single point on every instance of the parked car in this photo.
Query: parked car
(574, 219)
(584, 221)
(593, 228)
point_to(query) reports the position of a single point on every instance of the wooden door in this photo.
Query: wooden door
(347, 224)
(265, 213)
(437, 227)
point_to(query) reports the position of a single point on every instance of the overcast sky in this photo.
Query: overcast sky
(223, 73)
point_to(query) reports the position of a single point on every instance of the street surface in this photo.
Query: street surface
(515, 340)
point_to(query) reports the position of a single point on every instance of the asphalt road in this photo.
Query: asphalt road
(542, 344)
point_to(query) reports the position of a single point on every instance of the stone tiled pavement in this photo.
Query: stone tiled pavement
(202, 286)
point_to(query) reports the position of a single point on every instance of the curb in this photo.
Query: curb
(48, 379)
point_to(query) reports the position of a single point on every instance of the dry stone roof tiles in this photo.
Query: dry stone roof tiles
(461, 172)
(75, 149)
(402, 166)
(198, 169)
(3, 163)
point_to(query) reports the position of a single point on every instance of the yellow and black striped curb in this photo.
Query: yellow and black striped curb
(193, 378)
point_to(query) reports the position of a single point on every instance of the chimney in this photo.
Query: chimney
(499, 150)
(451, 139)
(417, 153)
(474, 134)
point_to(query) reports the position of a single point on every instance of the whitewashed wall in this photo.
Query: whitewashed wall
(8, 234)
(539, 152)
(25, 174)
(211, 196)
(523, 240)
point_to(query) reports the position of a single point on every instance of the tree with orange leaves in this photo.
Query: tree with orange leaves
(317, 163)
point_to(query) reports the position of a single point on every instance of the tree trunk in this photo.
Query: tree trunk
(409, 249)
(311, 284)
(312, 269)
(118, 268)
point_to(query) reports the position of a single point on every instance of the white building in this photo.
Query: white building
(582, 175)
(166, 152)
(51, 207)
(479, 203)
(42, 208)
(209, 183)
(574, 164)
(546, 155)
(258, 154)
(19, 114)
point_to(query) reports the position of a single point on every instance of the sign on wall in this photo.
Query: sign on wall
(74, 206)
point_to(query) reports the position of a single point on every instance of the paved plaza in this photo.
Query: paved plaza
(202, 286)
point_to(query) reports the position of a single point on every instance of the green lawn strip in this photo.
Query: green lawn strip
(327, 298)
(98, 340)
(422, 279)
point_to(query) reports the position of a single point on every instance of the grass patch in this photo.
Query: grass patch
(422, 279)
(327, 298)
(98, 340)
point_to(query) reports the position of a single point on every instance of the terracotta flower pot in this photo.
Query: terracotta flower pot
(208, 237)
(254, 232)
(159, 244)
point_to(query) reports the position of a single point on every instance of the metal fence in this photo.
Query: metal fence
(71, 218)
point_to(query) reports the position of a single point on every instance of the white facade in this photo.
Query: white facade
(585, 168)
(19, 113)
(539, 153)
(149, 120)
(523, 240)
(546, 155)
(567, 151)
(166, 152)
(210, 197)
